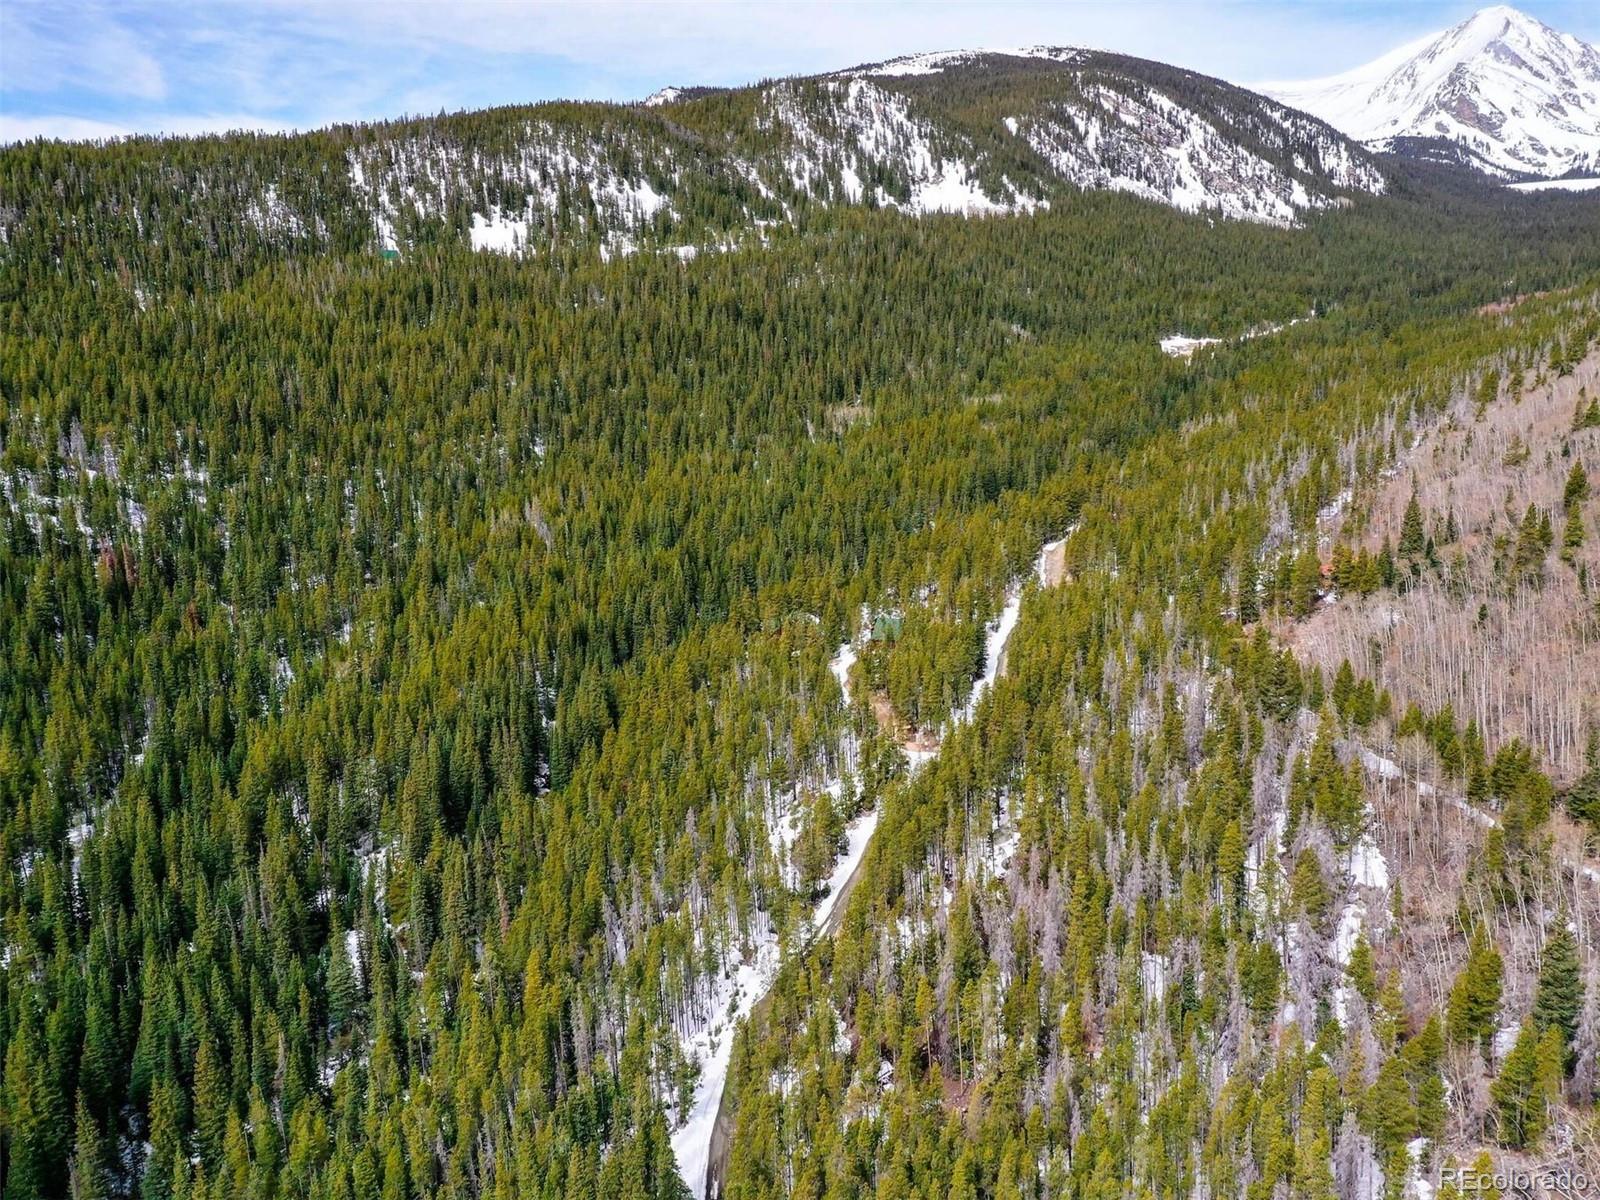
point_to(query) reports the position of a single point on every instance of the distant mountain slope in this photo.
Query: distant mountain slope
(1518, 96)
(973, 132)
(967, 132)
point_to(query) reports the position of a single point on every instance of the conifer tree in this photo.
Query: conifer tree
(1572, 535)
(1584, 798)
(1576, 489)
(1475, 998)
(1247, 596)
(1390, 1115)
(1518, 1092)
(1413, 536)
(1308, 887)
(1558, 999)
(1360, 970)
(88, 1176)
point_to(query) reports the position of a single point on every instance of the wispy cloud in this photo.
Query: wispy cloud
(83, 68)
(49, 47)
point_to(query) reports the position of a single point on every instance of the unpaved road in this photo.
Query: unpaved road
(722, 1128)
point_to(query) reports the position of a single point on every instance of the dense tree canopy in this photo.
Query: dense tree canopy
(410, 668)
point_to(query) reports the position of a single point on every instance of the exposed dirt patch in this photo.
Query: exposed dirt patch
(909, 738)
(1053, 566)
(842, 416)
(1497, 307)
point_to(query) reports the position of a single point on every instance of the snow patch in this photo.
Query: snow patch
(840, 665)
(1368, 867)
(710, 1043)
(1179, 345)
(352, 948)
(77, 836)
(1153, 972)
(1504, 1039)
(499, 231)
(857, 837)
(994, 646)
(1556, 185)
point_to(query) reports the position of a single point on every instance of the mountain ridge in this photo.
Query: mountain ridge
(694, 169)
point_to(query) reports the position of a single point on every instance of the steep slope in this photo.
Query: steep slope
(1516, 94)
(1183, 139)
(968, 132)
(965, 132)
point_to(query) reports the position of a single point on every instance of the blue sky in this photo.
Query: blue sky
(87, 68)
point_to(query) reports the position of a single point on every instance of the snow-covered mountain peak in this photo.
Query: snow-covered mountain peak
(1520, 96)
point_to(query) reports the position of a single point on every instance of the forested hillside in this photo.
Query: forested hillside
(417, 730)
(707, 170)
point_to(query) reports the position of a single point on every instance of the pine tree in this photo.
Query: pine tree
(1388, 573)
(1576, 490)
(1390, 1115)
(1518, 1092)
(1391, 1011)
(1308, 887)
(1475, 998)
(1344, 687)
(1552, 1065)
(1533, 542)
(36, 1118)
(1262, 978)
(1247, 599)
(1413, 535)
(1584, 798)
(1306, 585)
(344, 989)
(211, 1102)
(88, 1177)
(1423, 1055)
(1481, 1179)
(1558, 999)
(1572, 536)
(1360, 970)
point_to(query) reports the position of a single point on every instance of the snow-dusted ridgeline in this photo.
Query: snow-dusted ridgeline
(934, 62)
(1134, 138)
(854, 137)
(589, 176)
